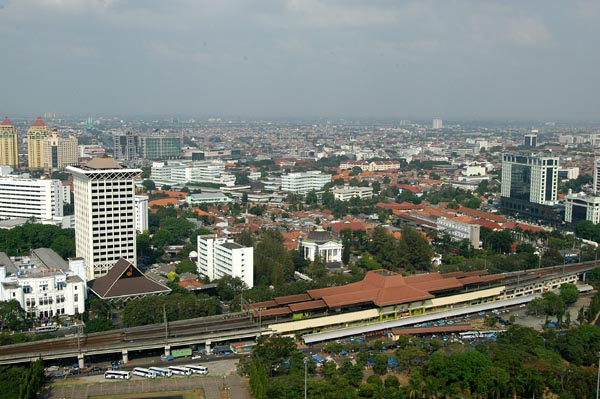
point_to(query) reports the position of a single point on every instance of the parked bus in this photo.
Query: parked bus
(144, 372)
(117, 375)
(161, 372)
(179, 370)
(45, 329)
(195, 369)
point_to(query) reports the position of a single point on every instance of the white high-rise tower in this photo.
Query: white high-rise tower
(105, 226)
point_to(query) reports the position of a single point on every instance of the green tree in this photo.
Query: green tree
(148, 185)
(12, 316)
(228, 287)
(569, 293)
(499, 241)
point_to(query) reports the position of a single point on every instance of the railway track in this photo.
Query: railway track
(177, 329)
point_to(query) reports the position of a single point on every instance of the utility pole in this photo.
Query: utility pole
(305, 360)
(166, 326)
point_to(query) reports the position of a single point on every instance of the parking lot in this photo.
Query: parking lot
(222, 374)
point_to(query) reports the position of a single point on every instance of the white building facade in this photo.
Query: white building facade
(141, 213)
(530, 177)
(347, 193)
(41, 199)
(105, 213)
(191, 172)
(304, 182)
(580, 207)
(460, 230)
(322, 244)
(44, 284)
(220, 256)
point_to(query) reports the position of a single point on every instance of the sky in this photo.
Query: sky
(449, 59)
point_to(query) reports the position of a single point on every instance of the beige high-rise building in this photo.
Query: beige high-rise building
(36, 138)
(9, 142)
(105, 214)
(59, 151)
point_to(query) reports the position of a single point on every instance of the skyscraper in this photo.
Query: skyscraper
(36, 136)
(105, 226)
(437, 124)
(9, 142)
(529, 184)
(60, 151)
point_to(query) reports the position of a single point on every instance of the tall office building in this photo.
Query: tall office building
(437, 124)
(530, 185)
(530, 177)
(36, 139)
(9, 144)
(530, 140)
(60, 152)
(105, 213)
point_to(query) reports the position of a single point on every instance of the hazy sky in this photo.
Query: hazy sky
(403, 59)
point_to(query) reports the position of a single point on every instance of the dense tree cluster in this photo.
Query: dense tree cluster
(21, 239)
(411, 252)
(521, 363)
(149, 310)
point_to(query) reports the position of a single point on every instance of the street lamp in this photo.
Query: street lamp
(305, 360)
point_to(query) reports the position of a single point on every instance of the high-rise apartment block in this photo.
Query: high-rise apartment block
(60, 151)
(9, 144)
(105, 214)
(437, 124)
(579, 206)
(218, 257)
(36, 140)
(40, 199)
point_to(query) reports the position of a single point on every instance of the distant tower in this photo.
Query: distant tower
(105, 214)
(438, 124)
(89, 123)
(36, 137)
(9, 142)
(530, 140)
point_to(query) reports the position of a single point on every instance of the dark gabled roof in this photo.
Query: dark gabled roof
(125, 280)
(321, 236)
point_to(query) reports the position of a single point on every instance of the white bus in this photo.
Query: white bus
(46, 329)
(161, 372)
(143, 372)
(179, 370)
(117, 375)
(195, 369)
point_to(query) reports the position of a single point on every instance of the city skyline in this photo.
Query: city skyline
(296, 59)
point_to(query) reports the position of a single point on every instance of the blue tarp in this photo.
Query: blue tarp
(318, 358)
(343, 352)
(392, 362)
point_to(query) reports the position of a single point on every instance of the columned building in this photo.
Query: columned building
(323, 244)
(9, 144)
(36, 140)
(105, 214)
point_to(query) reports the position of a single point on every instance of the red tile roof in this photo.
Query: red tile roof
(164, 202)
(38, 122)
(284, 300)
(297, 307)
(482, 215)
(6, 122)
